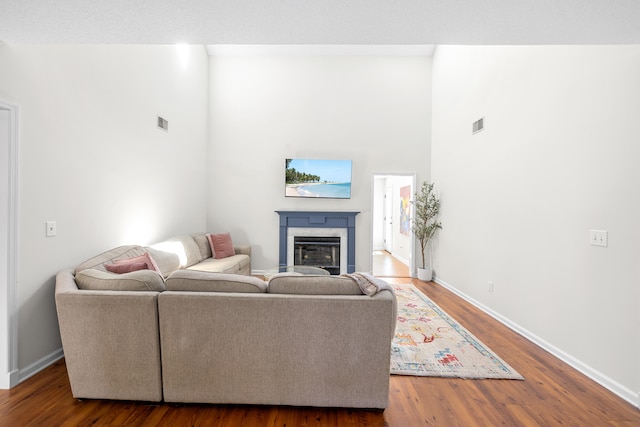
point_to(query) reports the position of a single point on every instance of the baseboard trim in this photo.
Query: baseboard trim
(8, 380)
(399, 258)
(610, 384)
(40, 364)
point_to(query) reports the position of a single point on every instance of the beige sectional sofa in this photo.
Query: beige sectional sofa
(208, 337)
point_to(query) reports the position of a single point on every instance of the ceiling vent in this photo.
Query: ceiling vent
(478, 125)
(163, 124)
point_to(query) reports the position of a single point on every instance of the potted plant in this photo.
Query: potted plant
(424, 226)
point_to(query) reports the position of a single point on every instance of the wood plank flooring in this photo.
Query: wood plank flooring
(553, 394)
(386, 265)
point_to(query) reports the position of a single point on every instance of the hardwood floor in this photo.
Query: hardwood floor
(553, 394)
(386, 265)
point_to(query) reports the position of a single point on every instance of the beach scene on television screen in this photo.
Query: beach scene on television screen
(318, 178)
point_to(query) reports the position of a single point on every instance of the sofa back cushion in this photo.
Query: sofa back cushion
(205, 281)
(142, 280)
(121, 252)
(312, 285)
(169, 256)
(184, 247)
(202, 241)
(167, 262)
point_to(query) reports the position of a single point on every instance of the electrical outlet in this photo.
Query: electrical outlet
(51, 228)
(598, 238)
(490, 288)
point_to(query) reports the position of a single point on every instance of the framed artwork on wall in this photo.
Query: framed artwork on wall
(313, 178)
(405, 210)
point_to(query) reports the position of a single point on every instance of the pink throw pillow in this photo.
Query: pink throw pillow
(144, 258)
(125, 267)
(221, 245)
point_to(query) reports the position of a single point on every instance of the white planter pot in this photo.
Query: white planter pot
(425, 274)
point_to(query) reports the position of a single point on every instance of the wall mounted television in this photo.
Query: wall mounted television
(313, 178)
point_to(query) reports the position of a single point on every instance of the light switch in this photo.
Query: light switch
(51, 228)
(598, 237)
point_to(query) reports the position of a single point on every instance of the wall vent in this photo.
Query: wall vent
(478, 125)
(163, 124)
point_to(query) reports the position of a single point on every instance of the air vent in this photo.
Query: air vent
(478, 125)
(163, 124)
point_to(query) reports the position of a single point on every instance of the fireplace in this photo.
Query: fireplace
(321, 252)
(326, 234)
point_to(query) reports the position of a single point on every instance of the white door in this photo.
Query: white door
(388, 215)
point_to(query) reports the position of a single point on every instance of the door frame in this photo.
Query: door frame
(412, 238)
(8, 285)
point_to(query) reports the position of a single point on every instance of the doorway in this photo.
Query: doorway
(393, 243)
(8, 244)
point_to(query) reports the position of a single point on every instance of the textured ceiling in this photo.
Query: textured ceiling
(321, 22)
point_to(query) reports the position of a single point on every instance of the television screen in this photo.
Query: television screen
(318, 178)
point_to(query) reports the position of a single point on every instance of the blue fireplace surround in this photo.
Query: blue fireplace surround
(317, 219)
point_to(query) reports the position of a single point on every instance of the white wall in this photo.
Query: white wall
(92, 159)
(558, 157)
(373, 110)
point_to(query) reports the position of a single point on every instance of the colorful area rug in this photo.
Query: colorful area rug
(428, 342)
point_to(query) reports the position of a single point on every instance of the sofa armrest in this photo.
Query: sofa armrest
(110, 341)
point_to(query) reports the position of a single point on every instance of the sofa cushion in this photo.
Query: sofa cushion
(221, 245)
(203, 281)
(141, 280)
(234, 264)
(286, 283)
